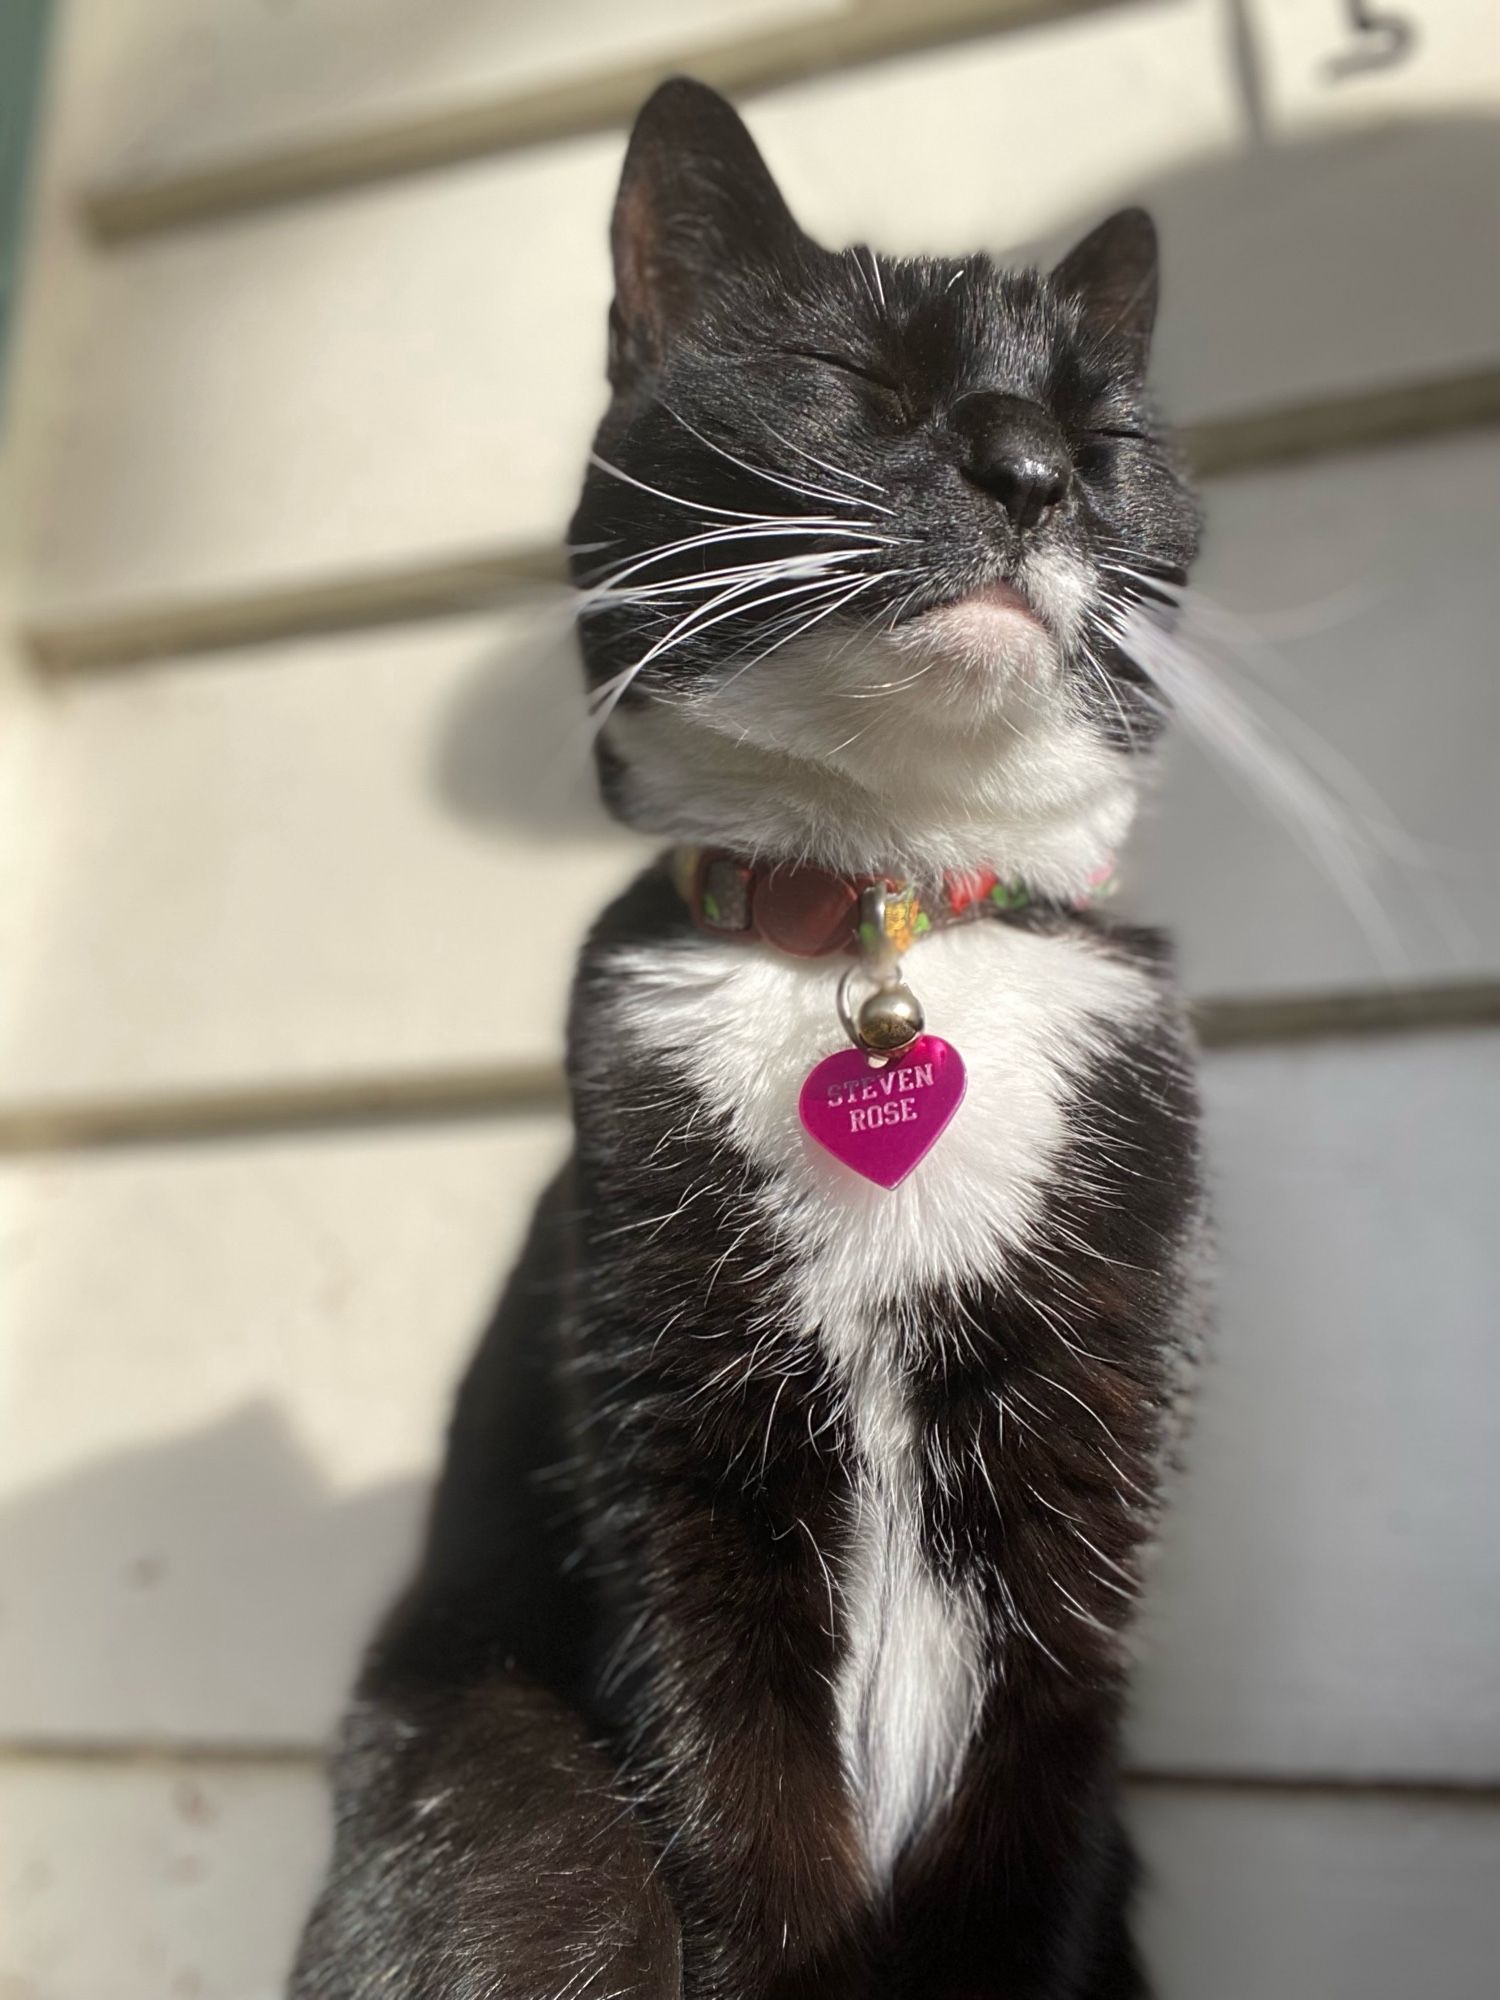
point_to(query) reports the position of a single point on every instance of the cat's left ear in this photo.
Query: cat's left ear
(696, 200)
(1114, 272)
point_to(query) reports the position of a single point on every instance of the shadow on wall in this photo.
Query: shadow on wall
(1324, 1600)
(1347, 262)
(216, 1576)
(212, 1589)
(514, 751)
(209, 1588)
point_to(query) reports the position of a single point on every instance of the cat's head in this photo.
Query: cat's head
(857, 530)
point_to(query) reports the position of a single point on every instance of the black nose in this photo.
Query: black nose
(1014, 450)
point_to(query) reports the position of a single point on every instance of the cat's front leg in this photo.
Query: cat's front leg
(1022, 1890)
(481, 1844)
(481, 1849)
(736, 1769)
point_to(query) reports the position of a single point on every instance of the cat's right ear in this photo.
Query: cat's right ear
(1112, 272)
(696, 200)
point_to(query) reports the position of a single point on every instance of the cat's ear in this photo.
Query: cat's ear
(1113, 271)
(696, 200)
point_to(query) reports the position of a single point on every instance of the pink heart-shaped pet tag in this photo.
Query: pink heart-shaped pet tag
(882, 1121)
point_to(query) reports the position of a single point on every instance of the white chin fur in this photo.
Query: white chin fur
(954, 742)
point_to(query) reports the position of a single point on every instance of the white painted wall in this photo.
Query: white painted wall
(224, 1366)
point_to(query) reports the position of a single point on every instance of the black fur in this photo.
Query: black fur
(733, 332)
(593, 1752)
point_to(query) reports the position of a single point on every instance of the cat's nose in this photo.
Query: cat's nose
(1013, 450)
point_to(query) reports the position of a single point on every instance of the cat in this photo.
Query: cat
(771, 1635)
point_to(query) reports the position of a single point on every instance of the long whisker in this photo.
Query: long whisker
(873, 690)
(1100, 673)
(607, 698)
(1232, 732)
(754, 604)
(649, 593)
(823, 612)
(899, 610)
(699, 621)
(791, 485)
(1344, 779)
(674, 499)
(767, 635)
(837, 471)
(772, 527)
(873, 283)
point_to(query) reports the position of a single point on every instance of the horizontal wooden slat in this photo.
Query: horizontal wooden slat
(1405, 411)
(157, 1877)
(148, 1881)
(1363, 597)
(228, 1372)
(255, 115)
(310, 868)
(1274, 1019)
(275, 1108)
(1326, 1602)
(1339, 424)
(412, 375)
(336, 861)
(187, 91)
(1326, 1898)
(1330, 264)
(349, 420)
(228, 1369)
(1318, 68)
(258, 109)
(385, 596)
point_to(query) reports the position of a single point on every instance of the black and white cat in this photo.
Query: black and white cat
(771, 1634)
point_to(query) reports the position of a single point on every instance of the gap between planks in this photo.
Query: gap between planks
(277, 1110)
(423, 142)
(168, 1756)
(465, 584)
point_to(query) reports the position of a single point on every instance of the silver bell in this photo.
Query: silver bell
(889, 1019)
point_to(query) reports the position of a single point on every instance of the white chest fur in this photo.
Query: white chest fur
(743, 1025)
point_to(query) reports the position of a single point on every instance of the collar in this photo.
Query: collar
(811, 912)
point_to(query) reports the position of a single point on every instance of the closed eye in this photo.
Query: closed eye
(846, 367)
(1120, 431)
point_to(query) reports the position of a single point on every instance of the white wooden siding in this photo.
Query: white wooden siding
(186, 85)
(414, 371)
(139, 1880)
(302, 867)
(229, 1371)
(393, 852)
(1368, 594)
(1452, 63)
(1327, 1897)
(394, 845)
(230, 1367)
(411, 373)
(1327, 1601)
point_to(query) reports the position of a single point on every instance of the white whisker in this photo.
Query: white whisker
(773, 528)
(804, 487)
(877, 288)
(1230, 729)
(823, 612)
(837, 471)
(697, 621)
(649, 593)
(674, 499)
